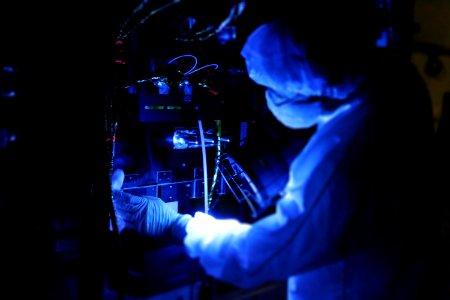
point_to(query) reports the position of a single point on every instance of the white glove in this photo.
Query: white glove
(146, 215)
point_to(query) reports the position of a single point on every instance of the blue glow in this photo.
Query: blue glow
(383, 40)
(163, 88)
(9, 94)
(179, 142)
(226, 35)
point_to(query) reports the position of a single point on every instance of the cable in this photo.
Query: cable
(219, 153)
(182, 56)
(205, 167)
(122, 34)
(198, 69)
(235, 11)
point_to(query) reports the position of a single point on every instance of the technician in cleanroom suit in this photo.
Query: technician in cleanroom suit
(352, 222)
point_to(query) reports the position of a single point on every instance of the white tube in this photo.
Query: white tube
(205, 167)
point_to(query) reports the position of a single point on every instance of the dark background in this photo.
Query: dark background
(56, 148)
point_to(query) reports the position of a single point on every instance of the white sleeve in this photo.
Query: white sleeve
(302, 233)
(272, 248)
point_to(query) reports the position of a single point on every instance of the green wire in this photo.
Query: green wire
(216, 170)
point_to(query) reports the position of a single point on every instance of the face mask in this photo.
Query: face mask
(278, 62)
(294, 114)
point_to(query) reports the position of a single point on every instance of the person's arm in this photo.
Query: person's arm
(301, 233)
(146, 215)
(310, 221)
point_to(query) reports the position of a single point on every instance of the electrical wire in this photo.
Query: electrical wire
(201, 68)
(235, 11)
(186, 55)
(205, 167)
(192, 70)
(219, 153)
(124, 34)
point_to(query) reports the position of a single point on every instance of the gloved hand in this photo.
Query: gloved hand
(146, 215)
